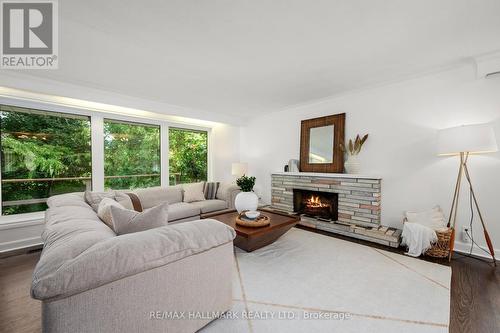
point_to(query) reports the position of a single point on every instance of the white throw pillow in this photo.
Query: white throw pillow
(194, 192)
(433, 218)
(104, 210)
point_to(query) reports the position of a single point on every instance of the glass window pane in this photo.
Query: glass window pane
(131, 155)
(188, 155)
(43, 154)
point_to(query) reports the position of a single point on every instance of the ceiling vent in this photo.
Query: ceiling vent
(488, 66)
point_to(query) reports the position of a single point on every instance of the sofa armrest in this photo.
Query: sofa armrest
(129, 254)
(228, 192)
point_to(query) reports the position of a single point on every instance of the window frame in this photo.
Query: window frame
(97, 117)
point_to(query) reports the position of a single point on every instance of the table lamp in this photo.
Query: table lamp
(239, 169)
(464, 141)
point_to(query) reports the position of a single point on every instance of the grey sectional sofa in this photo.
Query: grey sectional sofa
(165, 279)
(179, 211)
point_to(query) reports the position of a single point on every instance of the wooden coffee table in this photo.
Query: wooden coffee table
(250, 239)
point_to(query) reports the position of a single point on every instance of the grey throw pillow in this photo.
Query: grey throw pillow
(95, 198)
(104, 211)
(127, 221)
(210, 190)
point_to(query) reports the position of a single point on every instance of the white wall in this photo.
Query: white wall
(225, 145)
(402, 120)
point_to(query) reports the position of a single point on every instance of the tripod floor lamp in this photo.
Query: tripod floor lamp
(465, 141)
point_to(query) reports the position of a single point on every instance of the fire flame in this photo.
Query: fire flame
(315, 202)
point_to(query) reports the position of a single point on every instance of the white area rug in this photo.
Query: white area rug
(354, 288)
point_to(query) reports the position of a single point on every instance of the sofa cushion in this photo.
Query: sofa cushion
(70, 230)
(104, 210)
(69, 199)
(95, 198)
(126, 221)
(194, 192)
(153, 196)
(119, 257)
(208, 206)
(181, 210)
(226, 191)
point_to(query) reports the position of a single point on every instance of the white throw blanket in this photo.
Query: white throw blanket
(418, 238)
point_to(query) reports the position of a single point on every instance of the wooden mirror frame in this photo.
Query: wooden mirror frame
(337, 166)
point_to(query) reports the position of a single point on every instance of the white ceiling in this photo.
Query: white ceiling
(243, 58)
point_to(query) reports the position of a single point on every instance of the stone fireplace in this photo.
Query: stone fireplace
(335, 202)
(317, 204)
(358, 197)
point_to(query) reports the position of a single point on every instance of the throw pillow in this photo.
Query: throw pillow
(210, 190)
(433, 218)
(104, 210)
(136, 202)
(194, 192)
(95, 198)
(127, 221)
(124, 200)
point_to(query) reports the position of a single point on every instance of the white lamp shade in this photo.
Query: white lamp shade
(473, 139)
(239, 169)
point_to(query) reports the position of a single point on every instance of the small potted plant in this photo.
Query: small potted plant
(246, 199)
(352, 150)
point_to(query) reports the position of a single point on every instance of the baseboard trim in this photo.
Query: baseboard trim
(461, 247)
(20, 244)
(21, 251)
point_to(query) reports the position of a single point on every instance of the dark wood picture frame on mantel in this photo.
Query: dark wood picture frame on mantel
(337, 160)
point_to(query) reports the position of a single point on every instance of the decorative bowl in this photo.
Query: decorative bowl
(252, 214)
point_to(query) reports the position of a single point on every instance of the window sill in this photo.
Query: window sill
(21, 220)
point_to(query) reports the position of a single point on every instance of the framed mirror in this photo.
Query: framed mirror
(320, 140)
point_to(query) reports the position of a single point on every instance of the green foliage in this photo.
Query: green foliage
(188, 155)
(131, 149)
(39, 144)
(36, 158)
(246, 183)
(354, 148)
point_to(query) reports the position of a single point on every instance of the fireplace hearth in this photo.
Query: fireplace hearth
(322, 205)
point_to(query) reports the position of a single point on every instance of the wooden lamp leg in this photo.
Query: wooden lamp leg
(454, 206)
(486, 235)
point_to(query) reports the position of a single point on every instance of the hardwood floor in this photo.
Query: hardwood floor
(18, 311)
(475, 296)
(475, 293)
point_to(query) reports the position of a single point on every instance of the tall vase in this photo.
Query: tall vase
(246, 201)
(352, 165)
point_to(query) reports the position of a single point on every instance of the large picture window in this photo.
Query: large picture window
(131, 155)
(43, 154)
(188, 155)
(46, 153)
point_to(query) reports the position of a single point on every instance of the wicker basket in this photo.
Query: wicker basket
(441, 248)
(261, 221)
